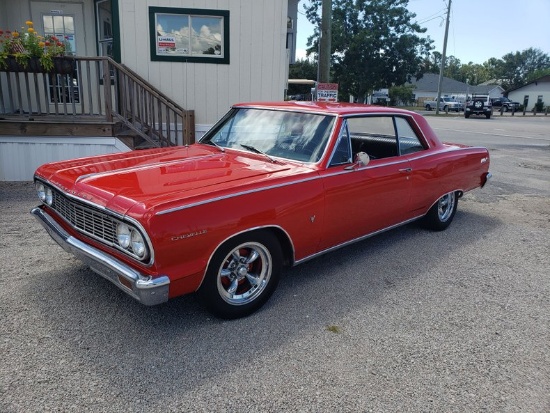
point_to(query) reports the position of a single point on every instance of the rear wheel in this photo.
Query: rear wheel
(441, 214)
(242, 275)
(428, 107)
(466, 115)
(488, 115)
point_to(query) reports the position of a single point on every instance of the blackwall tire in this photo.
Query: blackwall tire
(441, 214)
(243, 273)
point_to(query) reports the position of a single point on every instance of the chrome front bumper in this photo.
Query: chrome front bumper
(144, 288)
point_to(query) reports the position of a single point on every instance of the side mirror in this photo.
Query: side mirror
(362, 159)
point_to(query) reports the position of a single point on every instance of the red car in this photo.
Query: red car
(270, 185)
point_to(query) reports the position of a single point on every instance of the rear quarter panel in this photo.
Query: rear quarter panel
(449, 168)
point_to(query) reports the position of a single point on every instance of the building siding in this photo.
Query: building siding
(257, 47)
(533, 90)
(20, 156)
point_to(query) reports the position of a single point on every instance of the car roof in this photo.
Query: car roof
(339, 109)
(346, 109)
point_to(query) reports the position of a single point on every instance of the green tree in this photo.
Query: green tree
(537, 74)
(474, 74)
(432, 62)
(375, 44)
(514, 68)
(302, 69)
(401, 94)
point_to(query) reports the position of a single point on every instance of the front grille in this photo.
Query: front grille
(85, 219)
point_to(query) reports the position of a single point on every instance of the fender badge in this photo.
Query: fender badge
(189, 235)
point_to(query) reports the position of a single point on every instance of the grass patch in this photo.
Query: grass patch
(334, 329)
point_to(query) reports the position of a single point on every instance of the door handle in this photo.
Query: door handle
(406, 170)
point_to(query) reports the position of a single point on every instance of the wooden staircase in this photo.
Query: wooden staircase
(78, 104)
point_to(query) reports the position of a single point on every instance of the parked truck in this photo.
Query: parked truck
(446, 104)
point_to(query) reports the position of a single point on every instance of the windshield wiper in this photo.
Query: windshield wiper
(255, 150)
(216, 145)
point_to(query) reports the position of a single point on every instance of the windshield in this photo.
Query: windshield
(290, 135)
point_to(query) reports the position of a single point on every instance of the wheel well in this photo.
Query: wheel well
(458, 192)
(286, 245)
(282, 236)
(284, 240)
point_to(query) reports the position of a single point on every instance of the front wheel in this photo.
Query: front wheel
(441, 214)
(242, 275)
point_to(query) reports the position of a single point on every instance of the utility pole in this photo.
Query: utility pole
(325, 40)
(443, 59)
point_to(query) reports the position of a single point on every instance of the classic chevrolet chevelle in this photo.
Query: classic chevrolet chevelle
(270, 185)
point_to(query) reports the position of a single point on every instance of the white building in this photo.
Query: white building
(201, 55)
(536, 91)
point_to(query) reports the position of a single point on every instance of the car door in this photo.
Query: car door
(428, 167)
(362, 199)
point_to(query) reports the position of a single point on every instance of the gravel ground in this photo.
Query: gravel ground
(411, 320)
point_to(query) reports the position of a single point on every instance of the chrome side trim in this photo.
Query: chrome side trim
(336, 172)
(353, 241)
(142, 287)
(250, 191)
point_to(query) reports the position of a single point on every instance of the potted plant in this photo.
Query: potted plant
(27, 51)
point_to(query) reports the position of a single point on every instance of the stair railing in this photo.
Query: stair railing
(101, 89)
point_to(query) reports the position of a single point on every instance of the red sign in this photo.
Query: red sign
(166, 41)
(327, 92)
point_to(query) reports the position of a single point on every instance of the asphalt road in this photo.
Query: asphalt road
(411, 320)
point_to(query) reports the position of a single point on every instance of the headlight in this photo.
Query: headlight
(41, 191)
(131, 241)
(138, 244)
(49, 196)
(123, 235)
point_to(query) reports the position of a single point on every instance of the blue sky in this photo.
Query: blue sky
(478, 30)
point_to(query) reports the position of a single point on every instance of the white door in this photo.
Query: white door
(63, 20)
(66, 22)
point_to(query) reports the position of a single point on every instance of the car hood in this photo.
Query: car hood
(163, 178)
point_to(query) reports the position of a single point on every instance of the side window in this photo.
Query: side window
(408, 140)
(374, 135)
(342, 151)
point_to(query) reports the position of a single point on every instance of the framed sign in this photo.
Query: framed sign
(327, 92)
(189, 35)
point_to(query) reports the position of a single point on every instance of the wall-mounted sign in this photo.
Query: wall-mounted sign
(327, 92)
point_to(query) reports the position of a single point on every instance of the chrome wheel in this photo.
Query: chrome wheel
(446, 206)
(244, 273)
(441, 214)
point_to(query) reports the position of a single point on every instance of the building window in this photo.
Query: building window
(189, 35)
